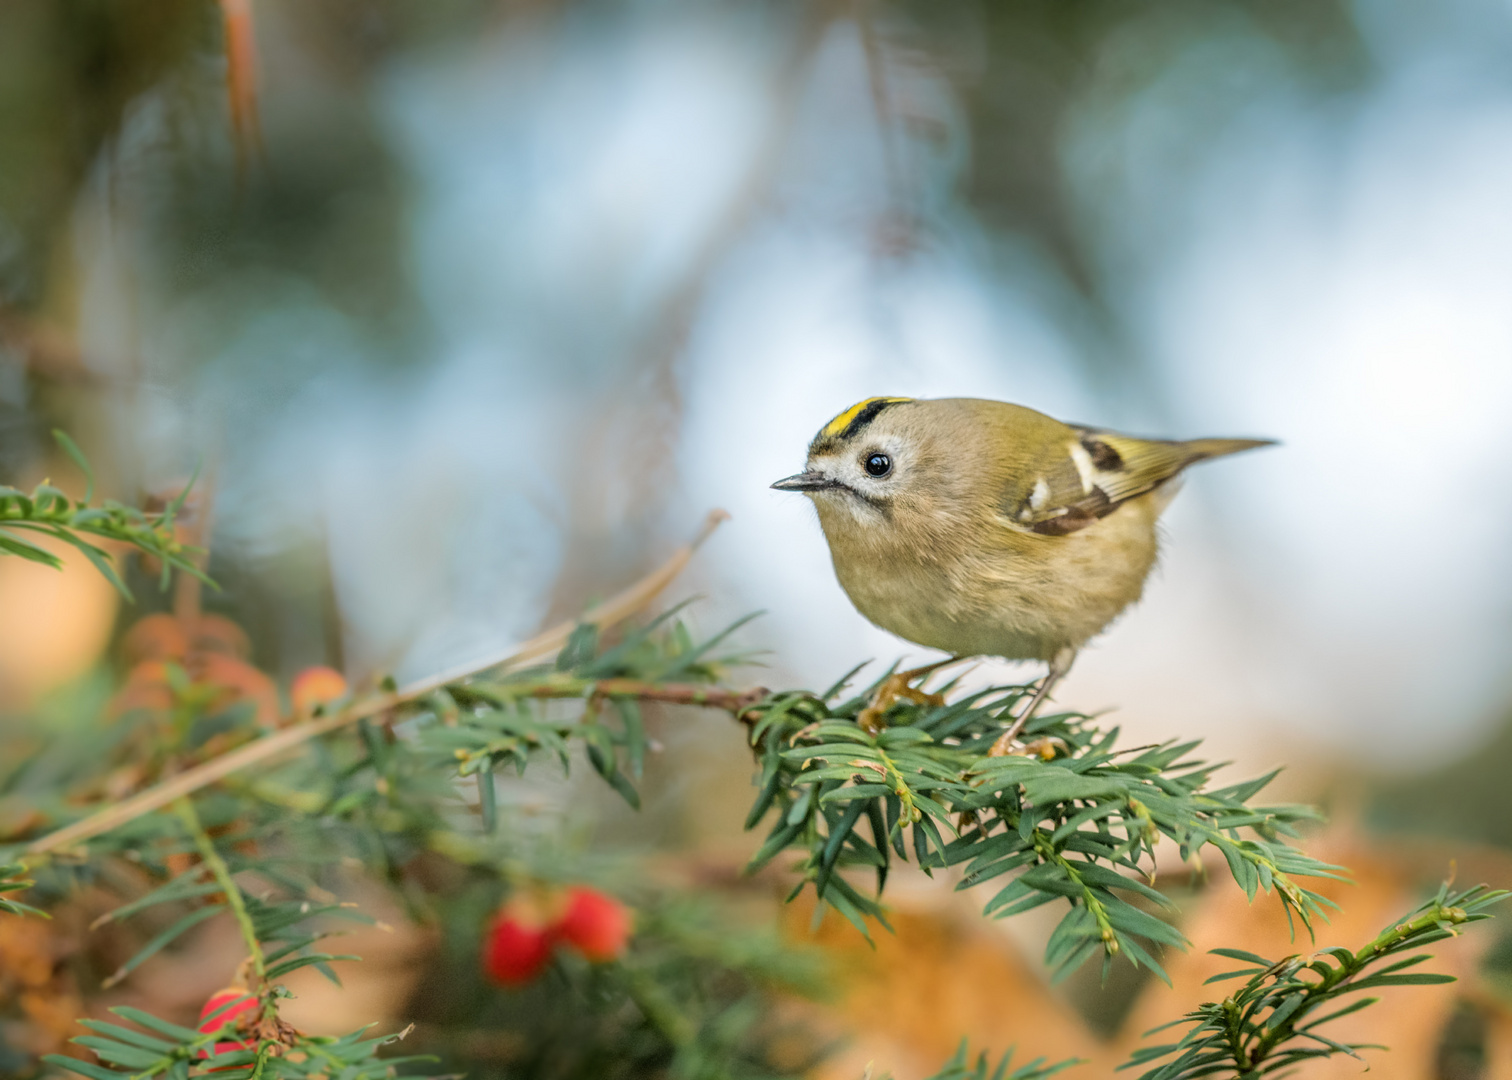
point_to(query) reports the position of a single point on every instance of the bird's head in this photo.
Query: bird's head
(862, 460)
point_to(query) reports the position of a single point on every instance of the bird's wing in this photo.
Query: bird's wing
(1094, 472)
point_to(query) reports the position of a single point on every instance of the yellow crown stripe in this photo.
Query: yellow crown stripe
(841, 422)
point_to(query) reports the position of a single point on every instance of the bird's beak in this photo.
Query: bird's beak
(806, 481)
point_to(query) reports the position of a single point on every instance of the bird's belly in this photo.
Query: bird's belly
(996, 622)
(996, 602)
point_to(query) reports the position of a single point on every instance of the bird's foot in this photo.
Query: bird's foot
(1046, 749)
(899, 687)
(1004, 745)
(894, 688)
(1059, 665)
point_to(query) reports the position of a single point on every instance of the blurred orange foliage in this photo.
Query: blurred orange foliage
(315, 686)
(32, 984)
(200, 662)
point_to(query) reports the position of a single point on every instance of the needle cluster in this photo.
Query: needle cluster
(46, 511)
(1072, 819)
(1272, 1022)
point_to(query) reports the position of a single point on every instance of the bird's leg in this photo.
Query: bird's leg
(1059, 665)
(899, 686)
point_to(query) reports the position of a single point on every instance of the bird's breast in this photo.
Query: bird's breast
(980, 588)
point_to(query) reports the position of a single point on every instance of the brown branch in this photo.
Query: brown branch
(241, 80)
(735, 702)
(611, 611)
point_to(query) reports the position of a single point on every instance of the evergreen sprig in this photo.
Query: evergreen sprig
(1271, 1023)
(256, 849)
(278, 935)
(49, 512)
(158, 1048)
(1071, 817)
(488, 724)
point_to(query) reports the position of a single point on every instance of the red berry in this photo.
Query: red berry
(598, 926)
(244, 1005)
(517, 946)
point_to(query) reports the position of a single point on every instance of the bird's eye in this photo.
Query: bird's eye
(878, 465)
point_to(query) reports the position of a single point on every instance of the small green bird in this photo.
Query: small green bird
(987, 529)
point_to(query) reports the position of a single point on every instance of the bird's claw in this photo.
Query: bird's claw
(895, 688)
(1046, 749)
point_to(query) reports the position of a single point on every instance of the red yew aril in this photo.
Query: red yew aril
(517, 946)
(597, 925)
(240, 1004)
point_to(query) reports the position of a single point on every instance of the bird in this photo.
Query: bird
(984, 528)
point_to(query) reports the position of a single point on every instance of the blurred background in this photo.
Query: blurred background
(469, 311)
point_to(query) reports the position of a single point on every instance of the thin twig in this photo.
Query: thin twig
(735, 702)
(234, 898)
(241, 81)
(611, 611)
(196, 526)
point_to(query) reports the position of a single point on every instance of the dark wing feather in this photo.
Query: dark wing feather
(1094, 472)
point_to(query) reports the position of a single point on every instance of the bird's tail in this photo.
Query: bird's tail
(1202, 449)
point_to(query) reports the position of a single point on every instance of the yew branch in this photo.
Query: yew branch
(614, 610)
